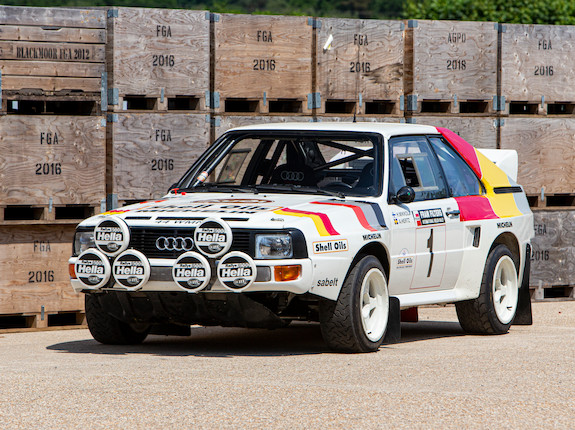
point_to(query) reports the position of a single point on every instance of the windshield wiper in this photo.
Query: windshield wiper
(299, 189)
(218, 188)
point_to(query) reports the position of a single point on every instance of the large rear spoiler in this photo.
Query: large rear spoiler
(506, 159)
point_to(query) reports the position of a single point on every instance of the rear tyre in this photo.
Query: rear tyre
(357, 321)
(108, 330)
(493, 311)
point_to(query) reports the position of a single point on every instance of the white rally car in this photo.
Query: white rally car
(344, 224)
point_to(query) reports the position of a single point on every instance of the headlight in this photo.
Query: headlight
(274, 246)
(83, 240)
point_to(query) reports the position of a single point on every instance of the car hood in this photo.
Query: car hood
(329, 216)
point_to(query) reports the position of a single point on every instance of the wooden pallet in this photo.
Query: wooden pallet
(142, 103)
(546, 153)
(264, 106)
(34, 267)
(46, 214)
(539, 107)
(55, 160)
(263, 60)
(158, 59)
(360, 66)
(51, 51)
(23, 322)
(447, 59)
(481, 132)
(148, 152)
(415, 105)
(537, 62)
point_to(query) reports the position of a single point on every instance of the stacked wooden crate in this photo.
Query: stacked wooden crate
(262, 70)
(359, 68)
(158, 88)
(52, 153)
(451, 71)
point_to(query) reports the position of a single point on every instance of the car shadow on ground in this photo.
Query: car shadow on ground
(298, 339)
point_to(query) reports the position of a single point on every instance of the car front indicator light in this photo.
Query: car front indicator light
(287, 273)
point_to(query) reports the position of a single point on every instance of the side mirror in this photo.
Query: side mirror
(405, 195)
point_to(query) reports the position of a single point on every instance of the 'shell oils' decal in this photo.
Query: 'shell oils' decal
(326, 246)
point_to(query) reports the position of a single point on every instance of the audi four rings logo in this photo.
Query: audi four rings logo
(174, 243)
(292, 176)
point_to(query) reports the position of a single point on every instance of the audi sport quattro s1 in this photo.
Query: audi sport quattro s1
(336, 223)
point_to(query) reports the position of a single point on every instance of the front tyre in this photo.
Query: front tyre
(357, 321)
(493, 311)
(108, 330)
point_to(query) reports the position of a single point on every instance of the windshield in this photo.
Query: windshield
(316, 162)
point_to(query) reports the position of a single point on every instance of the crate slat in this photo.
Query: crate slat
(54, 17)
(57, 158)
(47, 34)
(151, 151)
(34, 267)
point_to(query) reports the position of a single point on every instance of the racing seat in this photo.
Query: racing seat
(366, 177)
(294, 174)
(295, 171)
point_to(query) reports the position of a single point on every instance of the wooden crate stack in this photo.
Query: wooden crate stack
(158, 88)
(52, 154)
(103, 107)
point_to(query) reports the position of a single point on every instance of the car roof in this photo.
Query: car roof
(385, 129)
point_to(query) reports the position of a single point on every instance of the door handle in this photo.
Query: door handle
(453, 213)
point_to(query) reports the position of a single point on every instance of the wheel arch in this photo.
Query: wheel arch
(510, 241)
(378, 250)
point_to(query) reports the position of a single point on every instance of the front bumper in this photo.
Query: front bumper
(161, 278)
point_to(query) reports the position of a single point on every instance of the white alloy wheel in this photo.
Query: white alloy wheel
(374, 304)
(505, 289)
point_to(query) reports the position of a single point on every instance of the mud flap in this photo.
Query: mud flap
(393, 332)
(524, 315)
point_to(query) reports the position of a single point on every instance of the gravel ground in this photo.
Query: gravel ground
(235, 378)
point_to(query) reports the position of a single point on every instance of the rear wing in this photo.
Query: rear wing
(506, 159)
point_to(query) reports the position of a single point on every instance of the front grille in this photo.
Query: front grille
(144, 240)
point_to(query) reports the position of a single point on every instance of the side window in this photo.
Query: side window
(414, 164)
(461, 179)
